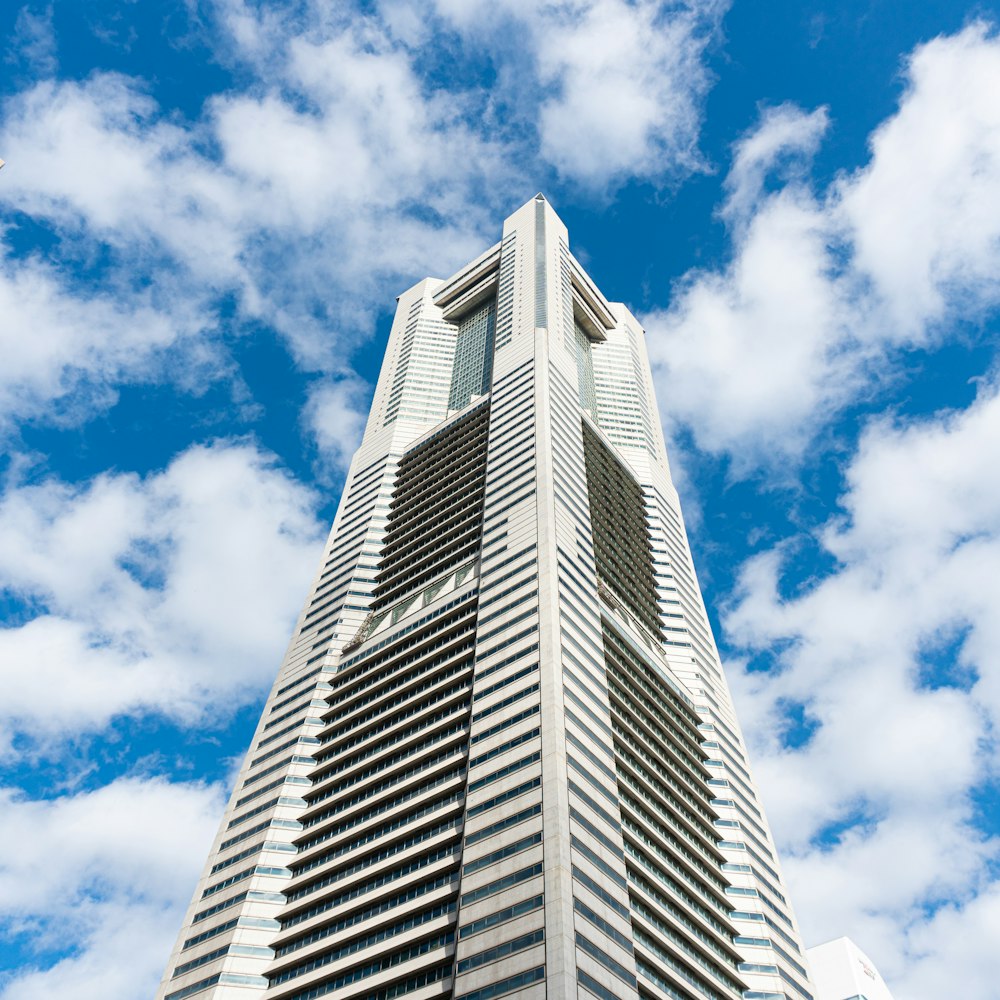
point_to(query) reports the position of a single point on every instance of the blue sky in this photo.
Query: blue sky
(206, 212)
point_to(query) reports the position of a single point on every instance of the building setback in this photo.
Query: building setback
(500, 758)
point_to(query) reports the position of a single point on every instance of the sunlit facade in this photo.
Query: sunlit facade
(500, 757)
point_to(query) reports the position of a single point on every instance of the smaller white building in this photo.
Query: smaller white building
(842, 971)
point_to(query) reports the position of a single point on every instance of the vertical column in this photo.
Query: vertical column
(538, 605)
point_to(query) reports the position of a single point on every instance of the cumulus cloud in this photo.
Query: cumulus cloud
(66, 350)
(824, 287)
(335, 415)
(618, 87)
(170, 594)
(100, 879)
(889, 659)
(626, 84)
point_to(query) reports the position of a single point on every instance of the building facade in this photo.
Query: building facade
(500, 758)
(842, 971)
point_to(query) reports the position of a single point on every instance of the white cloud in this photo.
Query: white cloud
(100, 878)
(32, 44)
(965, 935)
(97, 158)
(924, 217)
(786, 139)
(172, 594)
(335, 416)
(614, 89)
(891, 656)
(753, 358)
(824, 287)
(628, 82)
(66, 350)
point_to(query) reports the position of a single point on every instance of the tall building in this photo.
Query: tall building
(842, 971)
(500, 758)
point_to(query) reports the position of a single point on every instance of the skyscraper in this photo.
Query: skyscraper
(500, 757)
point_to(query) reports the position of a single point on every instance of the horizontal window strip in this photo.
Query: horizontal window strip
(517, 717)
(431, 857)
(605, 841)
(591, 779)
(509, 590)
(219, 907)
(283, 800)
(504, 747)
(373, 790)
(399, 634)
(386, 762)
(500, 884)
(603, 925)
(500, 916)
(507, 851)
(294, 759)
(486, 653)
(594, 738)
(613, 966)
(391, 740)
(448, 825)
(600, 892)
(483, 619)
(501, 951)
(236, 858)
(505, 682)
(298, 681)
(282, 824)
(512, 503)
(361, 943)
(513, 658)
(573, 697)
(388, 721)
(406, 818)
(597, 861)
(592, 757)
(209, 934)
(509, 575)
(285, 779)
(497, 800)
(505, 986)
(504, 772)
(381, 964)
(389, 804)
(503, 703)
(359, 916)
(274, 751)
(596, 807)
(503, 824)
(511, 558)
(588, 982)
